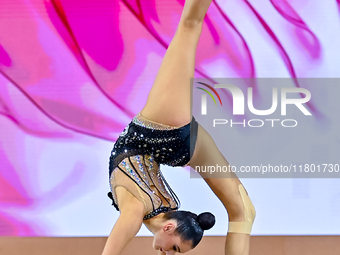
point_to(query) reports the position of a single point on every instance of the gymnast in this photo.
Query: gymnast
(165, 132)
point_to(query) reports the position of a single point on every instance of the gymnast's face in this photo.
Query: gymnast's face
(168, 242)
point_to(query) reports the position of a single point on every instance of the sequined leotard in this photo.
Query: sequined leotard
(137, 154)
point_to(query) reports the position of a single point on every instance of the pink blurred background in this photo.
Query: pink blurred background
(74, 72)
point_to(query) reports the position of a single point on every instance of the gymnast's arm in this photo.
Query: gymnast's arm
(127, 226)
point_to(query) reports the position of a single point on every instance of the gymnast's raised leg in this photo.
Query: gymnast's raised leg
(169, 103)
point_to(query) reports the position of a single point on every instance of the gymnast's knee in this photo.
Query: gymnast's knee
(249, 214)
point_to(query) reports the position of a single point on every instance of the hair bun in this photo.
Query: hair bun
(206, 220)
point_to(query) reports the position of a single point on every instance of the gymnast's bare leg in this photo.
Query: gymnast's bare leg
(228, 190)
(169, 103)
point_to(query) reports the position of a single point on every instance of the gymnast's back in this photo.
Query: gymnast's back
(136, 157)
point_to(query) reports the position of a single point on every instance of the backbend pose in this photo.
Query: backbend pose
(159, 134)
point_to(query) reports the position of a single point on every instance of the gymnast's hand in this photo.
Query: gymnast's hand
(128, 224)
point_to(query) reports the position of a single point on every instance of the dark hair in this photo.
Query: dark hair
(190, 226)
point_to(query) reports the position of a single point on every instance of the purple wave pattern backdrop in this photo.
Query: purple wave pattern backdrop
(74, 72)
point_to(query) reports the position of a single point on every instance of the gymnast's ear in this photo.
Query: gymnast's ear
(170, 227)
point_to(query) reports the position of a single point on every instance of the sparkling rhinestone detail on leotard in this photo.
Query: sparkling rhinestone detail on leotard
(143, 172)
(144, 145)
(140, 166)
(140, 120)
(142, 183)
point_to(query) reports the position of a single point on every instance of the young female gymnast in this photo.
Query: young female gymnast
(160, 134)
